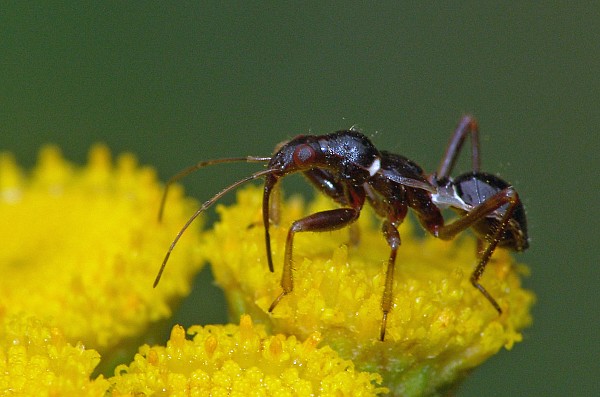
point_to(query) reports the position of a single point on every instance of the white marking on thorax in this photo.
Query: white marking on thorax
(375, 166)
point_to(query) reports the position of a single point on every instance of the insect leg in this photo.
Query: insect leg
(318, 222)
(506, 196)
(466, 125)
(393, 239)
(270, 182)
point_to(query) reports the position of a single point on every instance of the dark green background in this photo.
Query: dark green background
(180, 82)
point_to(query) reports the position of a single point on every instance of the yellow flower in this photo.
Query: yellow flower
(240, 361)
(440, 326)
(81, 246)
(36, 360)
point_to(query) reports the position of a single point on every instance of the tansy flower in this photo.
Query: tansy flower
(36, 360)
(81, 246)
(440, 326)
(241, 361)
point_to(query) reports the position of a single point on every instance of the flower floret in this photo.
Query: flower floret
(239, 361)
(36, 360)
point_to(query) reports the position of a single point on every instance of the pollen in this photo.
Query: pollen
(440, 327)
(36, 360)
(81, 245)
(240, 361)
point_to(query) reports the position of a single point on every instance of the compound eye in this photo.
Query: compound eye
(304, 154)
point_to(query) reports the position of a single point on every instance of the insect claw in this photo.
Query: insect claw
(276, 302)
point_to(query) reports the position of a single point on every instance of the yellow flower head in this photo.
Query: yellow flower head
(36, 360)
(440, 326)
(81, 246)
(240, 361)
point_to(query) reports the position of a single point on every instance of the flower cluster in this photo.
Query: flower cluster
(81, 247)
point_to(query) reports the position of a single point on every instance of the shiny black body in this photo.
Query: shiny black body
(475, 188)
(348, 168)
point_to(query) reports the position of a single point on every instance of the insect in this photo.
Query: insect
(347, 167)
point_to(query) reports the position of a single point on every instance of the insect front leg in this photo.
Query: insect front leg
(319, 222)
(270, 182)
(325, 181)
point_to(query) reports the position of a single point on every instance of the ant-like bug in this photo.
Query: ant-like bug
(347, 167)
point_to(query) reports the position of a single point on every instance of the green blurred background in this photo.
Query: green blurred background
(183, 81)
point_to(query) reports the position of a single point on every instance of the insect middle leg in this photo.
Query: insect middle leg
(393, 209)
(392, 236)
